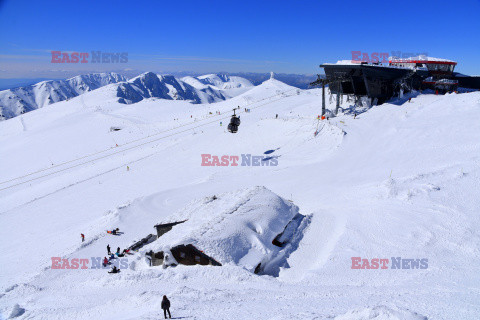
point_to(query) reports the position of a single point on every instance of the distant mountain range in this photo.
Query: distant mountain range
(301, 81)
(14, 102)
(203, 89)
(196, 89)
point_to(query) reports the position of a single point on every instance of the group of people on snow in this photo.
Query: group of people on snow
(114, 256)
(106, 261)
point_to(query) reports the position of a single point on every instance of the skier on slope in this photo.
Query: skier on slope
(108, 249)
(83, 237)
(166, 307)
(105, 261)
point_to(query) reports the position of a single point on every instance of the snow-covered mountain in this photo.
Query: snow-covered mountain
(14, 102)
(204, 89)
(398, 181)
(224, 81)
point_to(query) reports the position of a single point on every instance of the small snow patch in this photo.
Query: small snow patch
(380, 313)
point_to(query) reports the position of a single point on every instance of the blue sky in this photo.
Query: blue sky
(232, 36)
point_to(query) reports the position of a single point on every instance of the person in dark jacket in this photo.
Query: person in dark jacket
(108, 249)
(114, 270)
(166, 307)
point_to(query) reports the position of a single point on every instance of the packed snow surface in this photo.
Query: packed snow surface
(399, 180)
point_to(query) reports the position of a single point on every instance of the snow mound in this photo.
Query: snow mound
(17, 311)
(237, 227)
(380, 313)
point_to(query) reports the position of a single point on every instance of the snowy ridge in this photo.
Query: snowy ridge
(205, 89)
(14, 102)
(224, 81)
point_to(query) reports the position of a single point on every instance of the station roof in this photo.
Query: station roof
(421, 59)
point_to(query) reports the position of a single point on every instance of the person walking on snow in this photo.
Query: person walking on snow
(83, 236)
(108, 249)
(166, 307)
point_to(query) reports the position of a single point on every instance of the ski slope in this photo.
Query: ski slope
(399, 180)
